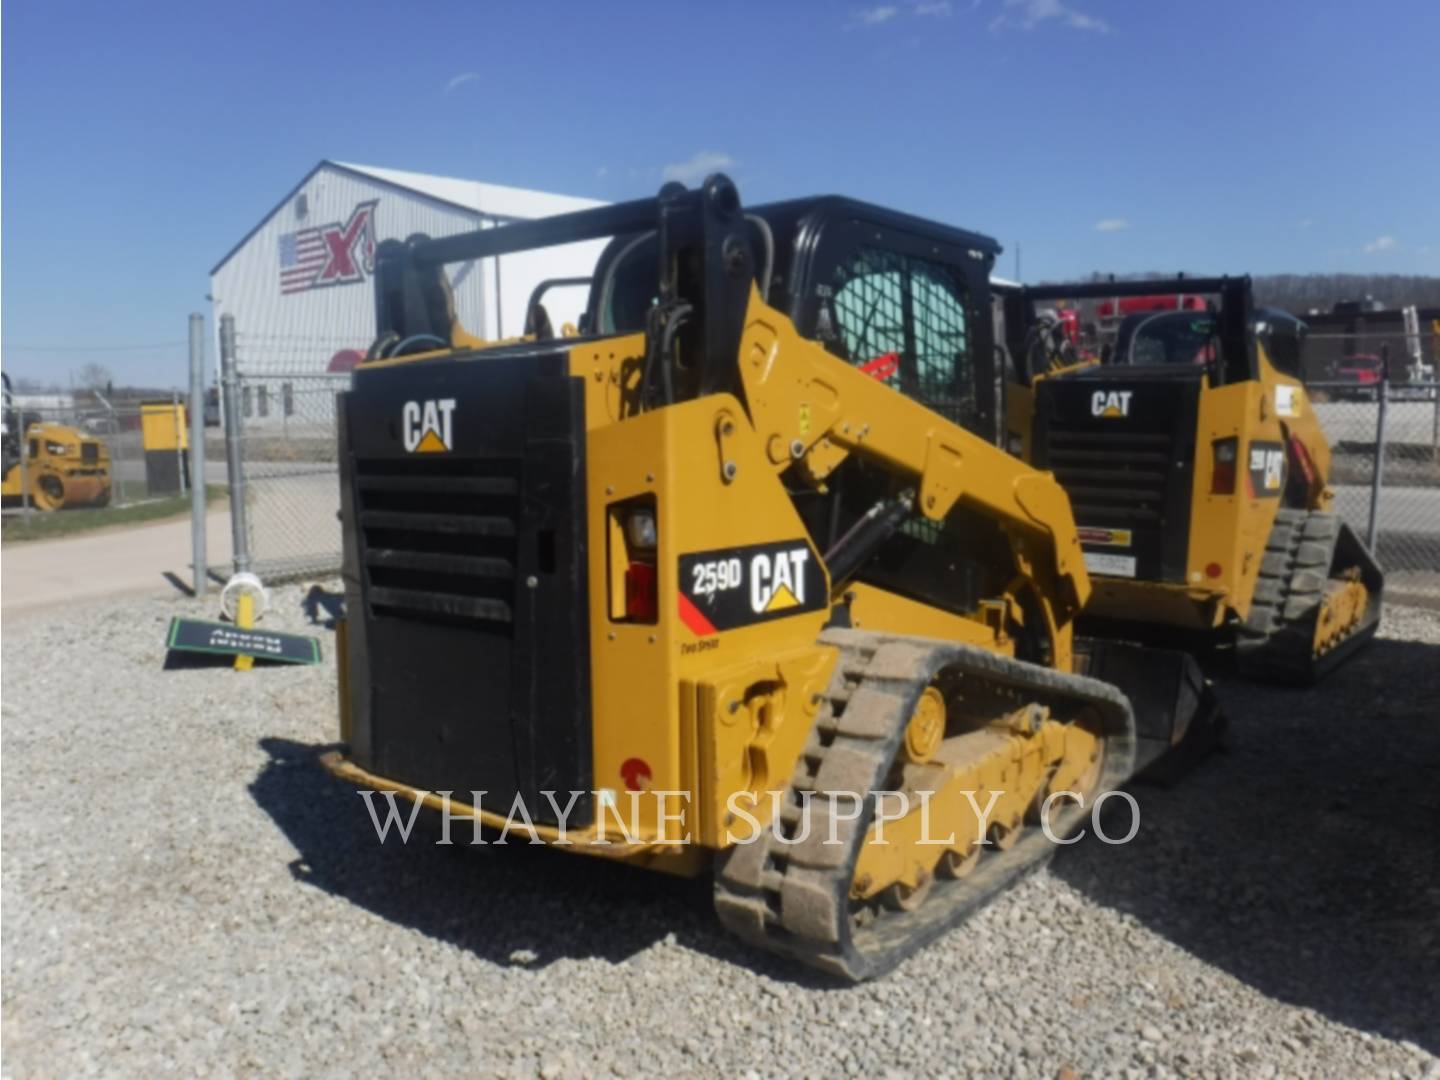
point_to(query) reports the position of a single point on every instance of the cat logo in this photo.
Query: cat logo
(425, 426)
(1111, 404)
(728, 588)
(778, 582)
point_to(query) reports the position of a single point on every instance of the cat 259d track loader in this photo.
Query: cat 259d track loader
(733, 574)
(1198, 473)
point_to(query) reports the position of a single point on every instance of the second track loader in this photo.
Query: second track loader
(1199, 476)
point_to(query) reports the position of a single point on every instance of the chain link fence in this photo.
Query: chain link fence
(288, 501)
(1385, 471)
(288, 498)
(63, 462)
(1343, 364)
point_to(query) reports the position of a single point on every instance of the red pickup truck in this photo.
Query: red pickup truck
(1361, 373)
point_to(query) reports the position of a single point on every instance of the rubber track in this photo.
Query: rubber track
(1276, 642)
(794, 899)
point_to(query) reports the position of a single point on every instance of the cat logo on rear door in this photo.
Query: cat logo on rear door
(425, 426)
(733, 587)
(1111, 404)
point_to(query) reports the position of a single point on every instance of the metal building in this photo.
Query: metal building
(298, 284)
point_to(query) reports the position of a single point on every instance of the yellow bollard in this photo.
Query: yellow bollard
(245, 620)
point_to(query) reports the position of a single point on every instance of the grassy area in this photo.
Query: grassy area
(41, 526)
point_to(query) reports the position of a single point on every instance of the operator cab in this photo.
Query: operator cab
(1171, 338)
(904, 298)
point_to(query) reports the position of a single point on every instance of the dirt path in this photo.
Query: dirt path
(111, 562)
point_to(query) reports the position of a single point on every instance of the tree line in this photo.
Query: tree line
(1303, 293)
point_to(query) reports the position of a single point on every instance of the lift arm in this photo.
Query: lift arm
(813, 409)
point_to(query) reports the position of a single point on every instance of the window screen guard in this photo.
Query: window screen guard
(889, 302)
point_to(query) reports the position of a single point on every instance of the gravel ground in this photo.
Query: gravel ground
(185, 892)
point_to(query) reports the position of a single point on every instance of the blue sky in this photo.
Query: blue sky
(140, 141)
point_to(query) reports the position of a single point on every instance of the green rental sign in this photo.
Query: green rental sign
(227, 639)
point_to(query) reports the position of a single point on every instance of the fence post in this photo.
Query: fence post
(1378, 476)
(234, 467)
(197, 455)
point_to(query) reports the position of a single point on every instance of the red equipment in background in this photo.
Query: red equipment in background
(1108, 310)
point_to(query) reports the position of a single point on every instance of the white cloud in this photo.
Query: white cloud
(1305, 222)
(1112, 224)
(938, 9)
(701, 164)
(602, 172)
(460, 80)
(1379, 244)
(1028, 14)
(876, 15)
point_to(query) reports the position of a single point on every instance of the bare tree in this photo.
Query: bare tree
(93, 376)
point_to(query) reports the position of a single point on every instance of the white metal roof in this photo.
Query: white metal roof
(493, 199)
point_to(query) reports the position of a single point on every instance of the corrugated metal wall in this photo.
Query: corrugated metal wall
(301, 330)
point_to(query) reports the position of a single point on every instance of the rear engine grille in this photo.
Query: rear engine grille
(438, 538)
(89, 452)
(1112, 478)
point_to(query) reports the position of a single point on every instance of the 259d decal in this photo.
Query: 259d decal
(733, 587)
(1266, 479)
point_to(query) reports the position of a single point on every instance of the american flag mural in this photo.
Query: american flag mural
(340, 253)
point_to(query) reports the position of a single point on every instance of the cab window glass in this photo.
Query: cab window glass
(888, 302)
(1283, 340)
(629, 288)
(1175, 337)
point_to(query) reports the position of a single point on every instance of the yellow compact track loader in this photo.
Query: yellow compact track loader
(64, 466)
(733, 576)
(1198, 474)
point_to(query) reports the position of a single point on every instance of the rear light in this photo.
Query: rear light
(641, 603)
(640, 530)
(633, 558)
(1222, 475)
